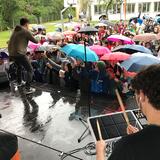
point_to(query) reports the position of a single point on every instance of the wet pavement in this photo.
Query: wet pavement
(43, 118)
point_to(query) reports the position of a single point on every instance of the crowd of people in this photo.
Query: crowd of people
(101, 77)
(53, 66)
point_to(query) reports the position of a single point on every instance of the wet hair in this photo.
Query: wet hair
(23, 21)
(148, 81)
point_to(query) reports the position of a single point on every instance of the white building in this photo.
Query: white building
(133, 7)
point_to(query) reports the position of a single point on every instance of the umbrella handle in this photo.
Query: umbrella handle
(85, 52)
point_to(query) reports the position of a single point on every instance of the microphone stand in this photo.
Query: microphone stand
(88, 101)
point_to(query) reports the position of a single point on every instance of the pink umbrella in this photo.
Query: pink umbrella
(117, 38)
(145, 37)
(55, 35)
(33, 46)
(116, 56)
(100, 50)
(77, 27)
(69, 33)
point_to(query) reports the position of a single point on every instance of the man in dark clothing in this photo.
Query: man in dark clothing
(17, 48)
(144, 144)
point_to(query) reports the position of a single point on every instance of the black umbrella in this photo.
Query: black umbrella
(103, 16)
(88, 30)
(132, 49)
(108, 23)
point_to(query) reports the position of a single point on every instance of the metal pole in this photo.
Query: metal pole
(121, 9)
(85, 51)
(62, 20)
(62, 11)
(125, 10)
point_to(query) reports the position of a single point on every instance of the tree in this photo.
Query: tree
(36, 10)
(83, 5)
(8, 10)
(108, 4)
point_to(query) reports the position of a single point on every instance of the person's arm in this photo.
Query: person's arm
(54, 64)
(100, 150)
(31, 38)
(131, 129)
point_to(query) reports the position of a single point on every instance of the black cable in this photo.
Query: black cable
(87, 150)
(41, 144)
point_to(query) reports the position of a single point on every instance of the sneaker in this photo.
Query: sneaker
(29, 91)
(22, 84)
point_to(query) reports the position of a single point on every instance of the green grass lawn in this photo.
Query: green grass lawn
(50, 27)
(4, 37)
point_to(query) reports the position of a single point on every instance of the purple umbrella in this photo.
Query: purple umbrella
(117, 38)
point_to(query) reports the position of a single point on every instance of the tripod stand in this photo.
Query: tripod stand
(84, 122)
(88, 94)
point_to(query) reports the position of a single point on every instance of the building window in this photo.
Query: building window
(157, 6)
(99, 9)
(144, 7)
(130, 7)
(115, 8)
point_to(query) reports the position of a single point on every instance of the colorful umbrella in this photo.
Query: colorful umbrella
(47, 48)
(101, 25)
(139, 20)
(138, 61)
(108, 23)
(33, 46)
(132, 49)
(78, 52)
(146, 37)
(69, 33)
(77, 27)
(88, 30)
(55, 36)
(116, 56)
(100, 50)
(117, 38)
(157, 19)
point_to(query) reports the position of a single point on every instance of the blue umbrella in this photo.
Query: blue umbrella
(78, 52)
(138, 61)
(140, 21)
(132, 49)
(157, 19)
